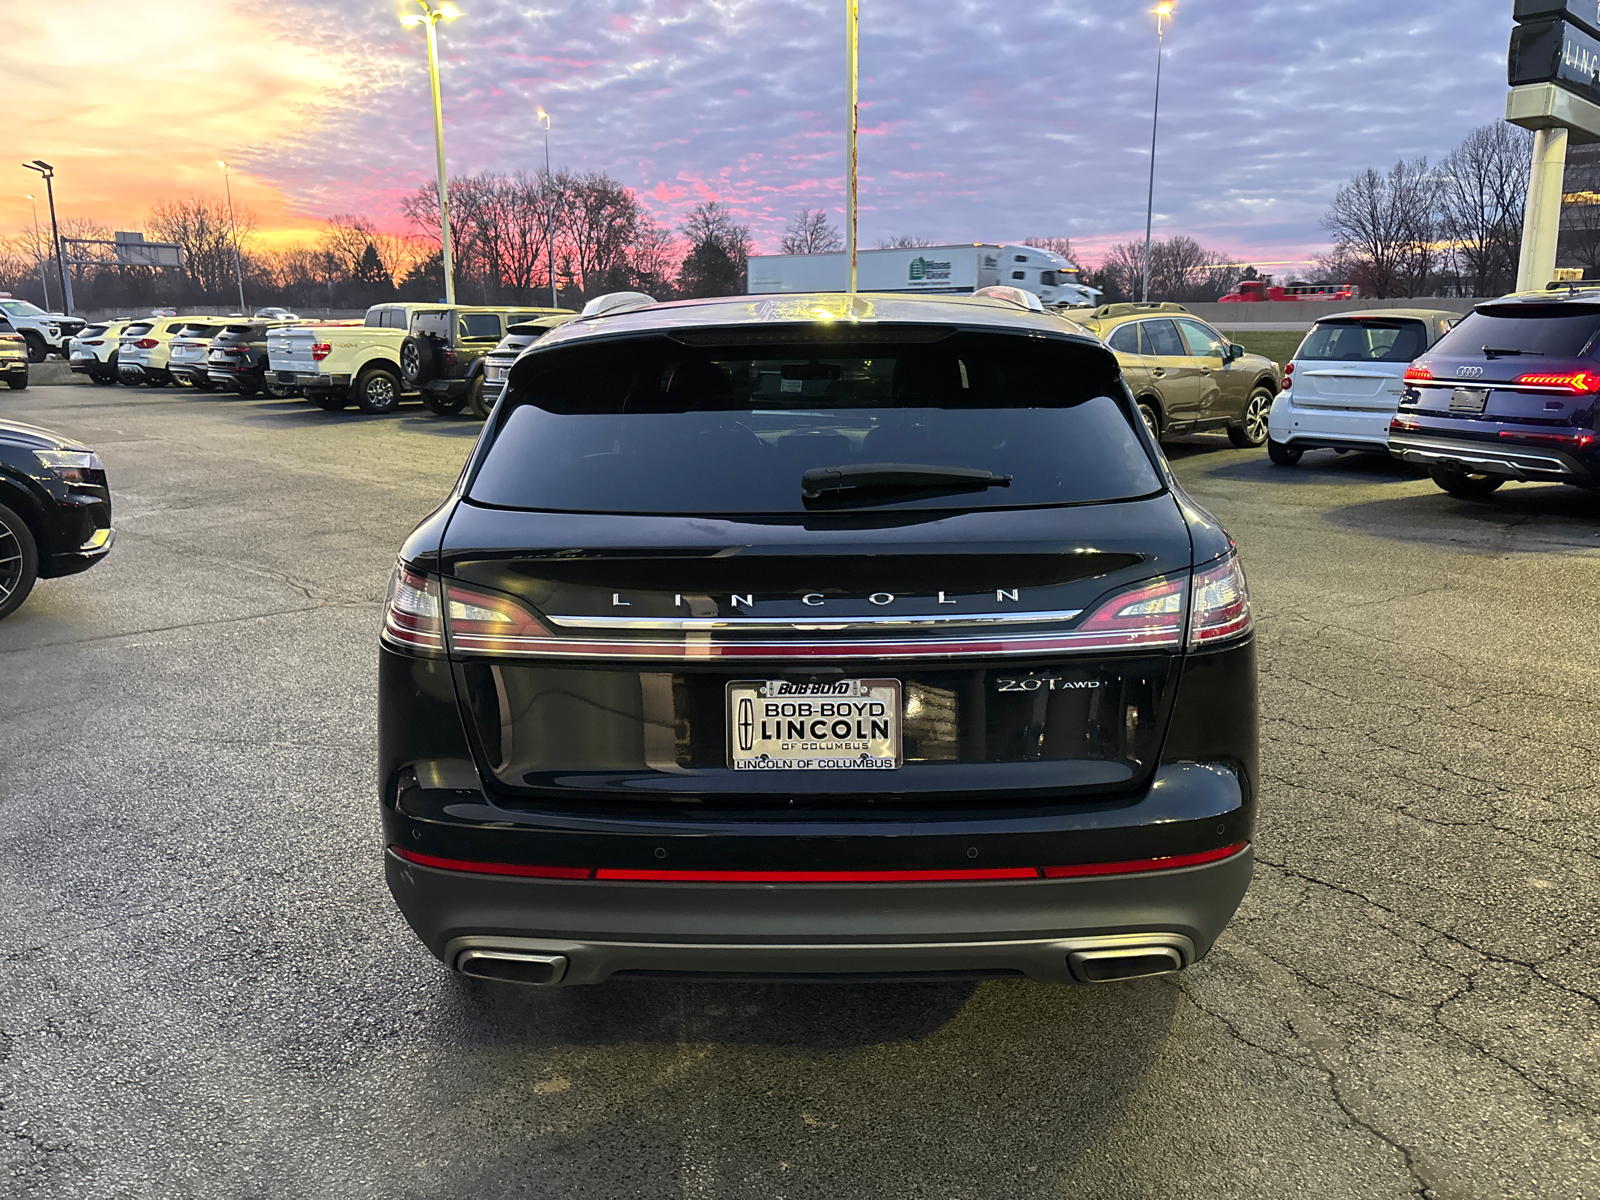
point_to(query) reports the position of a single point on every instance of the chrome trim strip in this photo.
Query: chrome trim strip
(842, 625)
(1477, 452)
(707, 648)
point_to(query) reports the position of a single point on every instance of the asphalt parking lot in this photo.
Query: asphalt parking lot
(205, 989)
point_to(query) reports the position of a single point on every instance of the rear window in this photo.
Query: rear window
(198, 331)
(481, 327)
(653, 426)
(138, 329)
(92, 331)
(1545, 330)
(1364, 341)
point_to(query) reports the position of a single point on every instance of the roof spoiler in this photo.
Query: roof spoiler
(1021, 297)
(1129, 310)
(617, 302)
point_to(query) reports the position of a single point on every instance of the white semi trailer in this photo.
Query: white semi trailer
(950, 270)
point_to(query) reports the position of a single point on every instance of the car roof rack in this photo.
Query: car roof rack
(1130, 310)
(617, 302)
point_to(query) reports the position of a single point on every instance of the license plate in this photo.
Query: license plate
(1468, 400)
(285, 377)
(840, 725)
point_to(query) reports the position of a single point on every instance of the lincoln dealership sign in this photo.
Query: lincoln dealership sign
(1584, 13)
(1559, 52)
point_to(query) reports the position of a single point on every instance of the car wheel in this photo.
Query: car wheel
(103, 378)
(16, 384)
(1465, 483)
(200, 384)
(417, 361)
(1284, 456)
(19, 561)
(377, 390)
(1151, 419)
(247, 387)
(38, 349)
(282, 391)
(1251, 431)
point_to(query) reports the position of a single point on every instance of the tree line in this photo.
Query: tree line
(509, 234)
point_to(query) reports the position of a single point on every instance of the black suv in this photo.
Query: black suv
(55, 510)
(237, 360)
(821, 636)
(1509, 393)
(443, 355)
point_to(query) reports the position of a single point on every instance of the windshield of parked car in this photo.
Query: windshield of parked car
(1541, 330)
(21, 308)
(654, 426)
(1390, 341)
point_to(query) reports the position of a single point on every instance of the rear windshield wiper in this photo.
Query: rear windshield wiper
(831, 481)
(1491, 352)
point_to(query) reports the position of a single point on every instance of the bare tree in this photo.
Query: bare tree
(719, 252)
(653, 257)
(902, 241)
(1055, 245)
(1180, 269)
(600, 222)
(1387, 226)
(810, 232)
(202, 226)
(1482, 193)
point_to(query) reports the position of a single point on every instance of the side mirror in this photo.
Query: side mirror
(1235, 352)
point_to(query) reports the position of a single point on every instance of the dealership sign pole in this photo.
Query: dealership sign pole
(852, 44)
(1553, 68)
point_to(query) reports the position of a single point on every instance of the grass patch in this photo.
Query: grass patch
(1277, 345)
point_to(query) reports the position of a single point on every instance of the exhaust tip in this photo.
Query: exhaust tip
(1124, 962)
(512, 966)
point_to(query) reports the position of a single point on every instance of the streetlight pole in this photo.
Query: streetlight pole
(43, 168)
(549, 211)
(238, 271)
(1163, 11)
(44, 277)
(852, 42)
(431, 18)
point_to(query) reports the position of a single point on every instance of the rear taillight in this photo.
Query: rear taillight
(1418, 374)
(1219, 608)
(1145, 616)
(320, 350)
(483, 623)
(95, 342)
(12, 337)
(1579, 383)
(411, 612)
(147, 344)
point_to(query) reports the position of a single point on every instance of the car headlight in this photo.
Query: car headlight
(74, 466)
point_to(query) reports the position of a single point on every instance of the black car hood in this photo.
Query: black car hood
(31, 437)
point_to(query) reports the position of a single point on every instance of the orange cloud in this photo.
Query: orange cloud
(135, 102)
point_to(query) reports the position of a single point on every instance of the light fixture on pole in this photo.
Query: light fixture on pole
(430, 20)
(45, 169)
(238, 270)
(549, 211)
(44, 277)
(852, 42)
(1163, 11)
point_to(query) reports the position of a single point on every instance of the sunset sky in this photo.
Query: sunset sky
(982, 120)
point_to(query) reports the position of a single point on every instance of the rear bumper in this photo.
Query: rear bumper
(1309, 427)
(450, 389)
(308, 380)
(1506, 459)
(16, 367)
(1039, 929)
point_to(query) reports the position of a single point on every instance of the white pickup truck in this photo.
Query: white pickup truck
(343, 361)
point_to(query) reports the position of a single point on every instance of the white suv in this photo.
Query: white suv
(45, 333)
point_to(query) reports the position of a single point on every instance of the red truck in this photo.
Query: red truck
(1256, 291)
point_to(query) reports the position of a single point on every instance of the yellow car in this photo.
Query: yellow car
(1185, 376)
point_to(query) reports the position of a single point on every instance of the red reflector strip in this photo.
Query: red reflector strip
(618, 873)
(1550, 439)
(1144, 864)
(481, 868)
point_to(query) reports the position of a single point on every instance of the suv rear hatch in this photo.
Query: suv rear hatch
(1357, 363)
(638, 536)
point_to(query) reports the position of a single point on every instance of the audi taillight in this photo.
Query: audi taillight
(1418, 374)
(320, 350)
(1579, 383)
(146, 344)
(1219, 606)
(411, 613)
(1402, 425)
